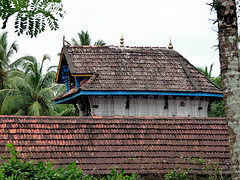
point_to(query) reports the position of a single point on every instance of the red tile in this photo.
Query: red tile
(103, 142)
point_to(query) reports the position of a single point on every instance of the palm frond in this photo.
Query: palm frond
(210, 71)
(13, 48)
(3, 58)
(68, 43)
(21, 112)
(8, 92)
(84, 38)
(100, 42)
(15, 73)
(4, 41)
(74, 42)
(205, 71)
(35, 109)
(58, 89)
(12, 104)
(53, 113)
(52, 68)
(5, 52)
(66, 110)
(20, 86)
(19, 62)
(45, 93)
(45, 57)
(48, 79)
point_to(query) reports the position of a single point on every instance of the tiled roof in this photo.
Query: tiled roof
(136, 69)
(138, 144)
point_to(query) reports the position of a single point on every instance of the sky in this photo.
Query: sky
(188, 23)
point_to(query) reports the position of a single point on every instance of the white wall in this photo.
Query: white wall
(149, 106)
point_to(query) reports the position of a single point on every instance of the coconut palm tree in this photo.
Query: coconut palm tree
(6, 53)
(29, 92)
(84, 39)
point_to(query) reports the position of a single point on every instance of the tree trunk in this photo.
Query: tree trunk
(230, 68)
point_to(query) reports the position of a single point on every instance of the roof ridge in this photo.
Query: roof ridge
(187, 71)
(112, 46)
(185, 68)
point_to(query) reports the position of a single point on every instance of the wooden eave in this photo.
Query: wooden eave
(82, 75)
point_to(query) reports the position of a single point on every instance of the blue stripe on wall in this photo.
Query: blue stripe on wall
(136, 93)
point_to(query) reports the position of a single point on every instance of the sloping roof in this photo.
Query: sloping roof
(138, 144)
(136, 69)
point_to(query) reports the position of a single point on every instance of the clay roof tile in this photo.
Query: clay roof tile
(102, 142)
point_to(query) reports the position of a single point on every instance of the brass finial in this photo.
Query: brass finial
(121, 41)
(170, 46)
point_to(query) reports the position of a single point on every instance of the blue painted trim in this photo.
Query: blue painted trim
(136, 93)
(68, 98)
(148, 93)
(77, 81)
(67, 85)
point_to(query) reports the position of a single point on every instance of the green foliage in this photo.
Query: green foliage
(116, 175)
(31, 15)
(29, 92)
(66, 110)
(217, 81)
(217, 109)
(84, 39)
(14, 168)
(99, 42)
(215, 4)
(206, 72)
(212, 171)
(179, 174)
(6, 52)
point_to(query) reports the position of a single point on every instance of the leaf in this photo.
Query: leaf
(74, 164)
(69, 166)
(13, 152)
(10, 145)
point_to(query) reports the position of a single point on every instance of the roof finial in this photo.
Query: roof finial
(170, 46)
(121, 41)
(63, 40)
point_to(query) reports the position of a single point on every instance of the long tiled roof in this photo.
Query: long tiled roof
(138, 144)
(136, 69)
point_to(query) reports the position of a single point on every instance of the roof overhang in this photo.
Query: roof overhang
(154, 93)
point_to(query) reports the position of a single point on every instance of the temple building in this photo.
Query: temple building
(147, 109)
(133, 81)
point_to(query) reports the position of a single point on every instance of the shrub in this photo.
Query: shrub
(16, 169)
(212, 171)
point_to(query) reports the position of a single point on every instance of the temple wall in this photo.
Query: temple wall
(149, 106)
